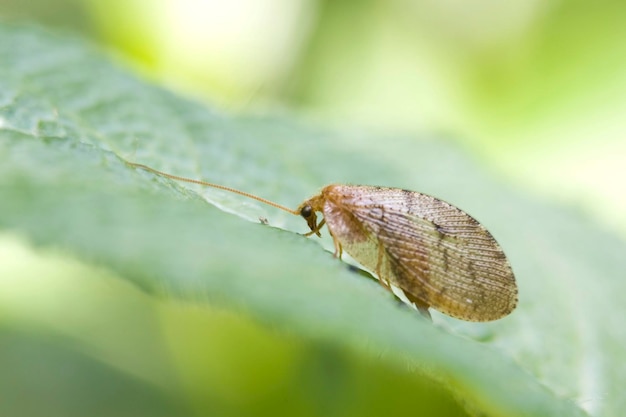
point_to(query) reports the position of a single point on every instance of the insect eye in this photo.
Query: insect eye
(306, 211)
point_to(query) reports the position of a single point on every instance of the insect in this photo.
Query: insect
(437, 255)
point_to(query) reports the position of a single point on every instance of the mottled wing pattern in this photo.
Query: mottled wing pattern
(436, 253)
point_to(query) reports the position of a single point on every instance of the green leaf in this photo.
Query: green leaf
(69, 119)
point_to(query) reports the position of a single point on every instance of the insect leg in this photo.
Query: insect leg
(422, 307)
(317, 229)
(338, 248)
(379, 263)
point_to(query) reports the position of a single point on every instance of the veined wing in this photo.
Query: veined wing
(438, 253)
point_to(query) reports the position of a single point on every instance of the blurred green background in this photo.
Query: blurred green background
(535, 89)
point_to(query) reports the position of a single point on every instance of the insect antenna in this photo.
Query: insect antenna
(210, 184)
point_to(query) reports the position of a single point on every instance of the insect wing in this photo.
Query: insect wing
(438, 254)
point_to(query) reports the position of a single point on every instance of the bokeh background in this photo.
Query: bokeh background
(536, 90)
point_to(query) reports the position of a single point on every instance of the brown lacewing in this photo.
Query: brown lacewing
(435, 254)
